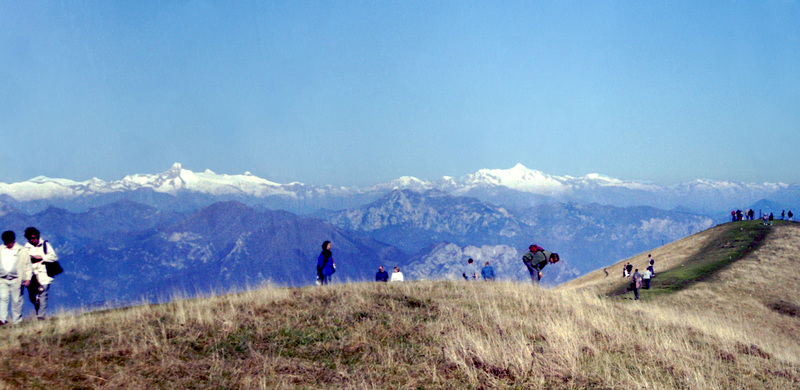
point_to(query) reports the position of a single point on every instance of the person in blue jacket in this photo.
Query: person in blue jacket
(487, 272)
(381, 275)
(325, 267)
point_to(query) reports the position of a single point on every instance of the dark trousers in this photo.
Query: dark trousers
(324, 279)
(534, 272)
(33, 291)
(647, 284)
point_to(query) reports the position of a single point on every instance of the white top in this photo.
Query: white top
(15, 262)
(8, 258)
(396, 277)
(39, 268)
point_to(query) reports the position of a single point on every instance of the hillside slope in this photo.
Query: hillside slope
(735, 328)
(742, 274)
(689, 260)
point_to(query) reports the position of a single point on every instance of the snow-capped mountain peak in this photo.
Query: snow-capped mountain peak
(512, 185)
(518, 178)
(404, 182)
(171, 181)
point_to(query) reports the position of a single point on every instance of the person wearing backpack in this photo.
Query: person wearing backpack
(536, 259)
(15, 272)
(41, 253)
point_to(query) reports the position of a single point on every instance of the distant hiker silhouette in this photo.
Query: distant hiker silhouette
(325, 267)
(636, 283)
(487, 272)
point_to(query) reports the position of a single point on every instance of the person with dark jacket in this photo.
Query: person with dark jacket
(381, 275)
(535, 260)
(636, 283)
(325, 267)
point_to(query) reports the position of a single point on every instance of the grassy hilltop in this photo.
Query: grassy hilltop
(722, 314)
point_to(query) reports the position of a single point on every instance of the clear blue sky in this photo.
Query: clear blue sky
(362, 92)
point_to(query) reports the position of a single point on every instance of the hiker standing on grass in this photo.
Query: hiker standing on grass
(536, 259)
(790, 215)
(487, 272)
(15, 272)
(41, 253)
(646, 278)
(628, 269)
(471, 271)
(381, 275)
(397, 276)
(636, 283)
(771, 217)
(325, 267)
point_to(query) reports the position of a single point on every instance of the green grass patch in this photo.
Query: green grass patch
(739, 239)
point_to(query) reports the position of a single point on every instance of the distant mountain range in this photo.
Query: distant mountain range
(517, 187)
(149, 236)
(124, 252)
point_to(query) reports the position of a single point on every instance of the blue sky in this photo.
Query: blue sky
(362, 92)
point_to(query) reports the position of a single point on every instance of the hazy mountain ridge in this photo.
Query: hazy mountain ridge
(127, 251)
(179, 230)
(586, 236)
(137, 252)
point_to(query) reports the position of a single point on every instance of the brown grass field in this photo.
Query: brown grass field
(722, 314)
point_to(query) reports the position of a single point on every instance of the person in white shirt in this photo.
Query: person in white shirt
(470, 273)
(41, 252)
(397, 276)
(646, 278)
(15, 272)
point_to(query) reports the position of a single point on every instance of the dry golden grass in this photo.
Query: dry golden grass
(733, 330)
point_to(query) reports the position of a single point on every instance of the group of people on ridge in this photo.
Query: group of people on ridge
(535, 260)
(767, 218)
(639, 281)
(25, 267)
